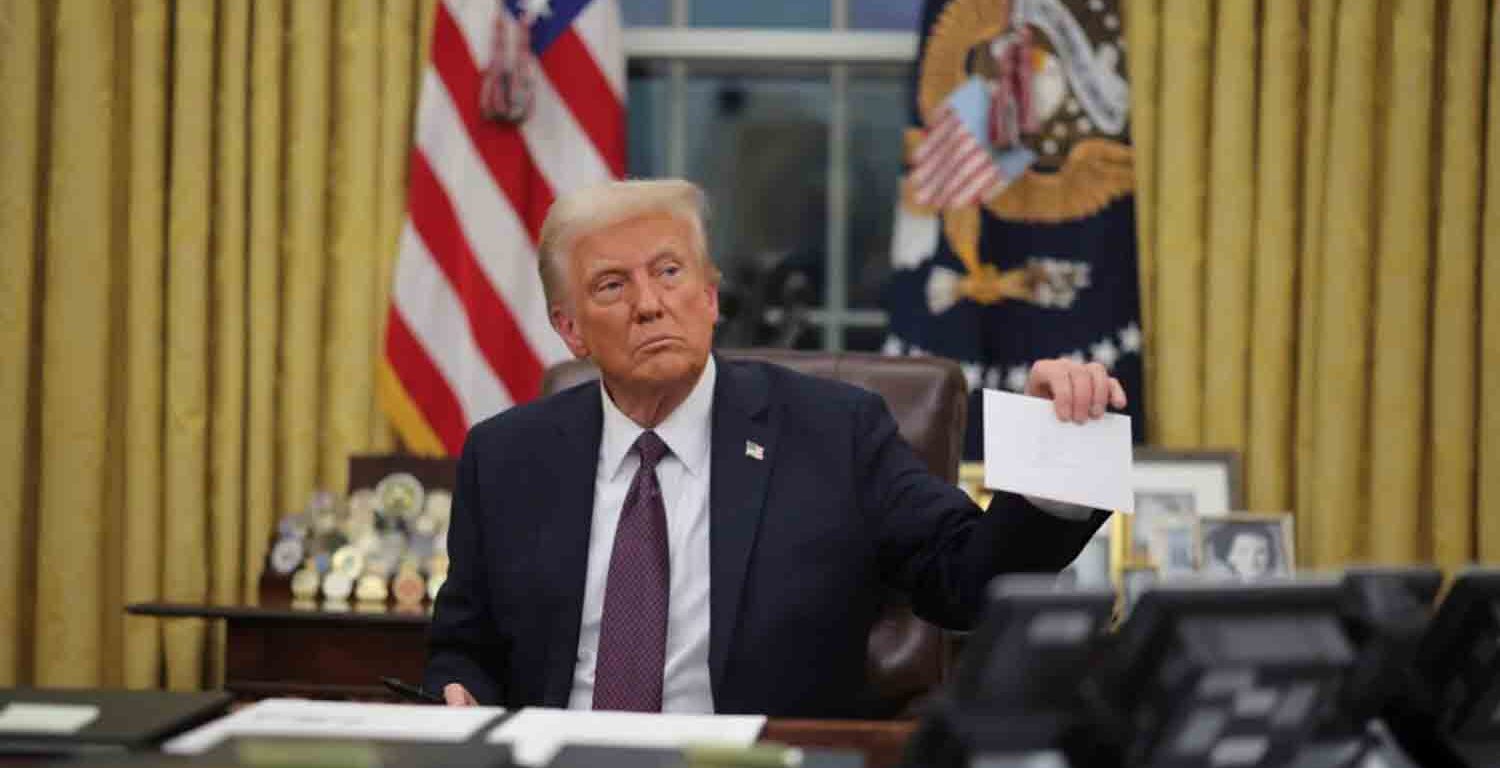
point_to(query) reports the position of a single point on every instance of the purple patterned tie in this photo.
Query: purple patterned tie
(633, 630)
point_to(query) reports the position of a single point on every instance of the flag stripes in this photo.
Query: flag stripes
(468, 333)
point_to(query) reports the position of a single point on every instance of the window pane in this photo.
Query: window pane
(884, 14)
(878, 107)
(647, 121)
(647, 13)
(759, 147)
(760, 13)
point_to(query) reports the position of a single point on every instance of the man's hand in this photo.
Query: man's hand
(1078, 391)
(458, 696)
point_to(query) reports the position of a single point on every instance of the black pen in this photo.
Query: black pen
(411, 692)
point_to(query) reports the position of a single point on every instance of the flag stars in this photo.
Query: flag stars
(1105, 353)
(1015, 378)
(535, 9)
(1130, 338)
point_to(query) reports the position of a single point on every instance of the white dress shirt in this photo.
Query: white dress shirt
(683, 476)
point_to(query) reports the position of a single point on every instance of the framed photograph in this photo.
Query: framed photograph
(1197, 482)
(1172, 490)
(1247, 547)
(1170, 541)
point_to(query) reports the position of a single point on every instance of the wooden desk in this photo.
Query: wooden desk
(281, 648)
(284, 648)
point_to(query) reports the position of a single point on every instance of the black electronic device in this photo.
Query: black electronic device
(1453, 718)
(1386, 611)
(122, 720)
(1229, 676)
(1015, 691)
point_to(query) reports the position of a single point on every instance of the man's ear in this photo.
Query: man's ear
(713, 298)
(567, 327)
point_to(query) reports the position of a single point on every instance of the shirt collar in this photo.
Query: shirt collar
(685, 430)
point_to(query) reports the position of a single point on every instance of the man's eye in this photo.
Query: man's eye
(671, 270)
(608, 287)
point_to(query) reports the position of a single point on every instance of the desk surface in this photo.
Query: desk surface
(283, 610)
(280, 649)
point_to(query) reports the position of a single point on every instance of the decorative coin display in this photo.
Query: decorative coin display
(383, 543)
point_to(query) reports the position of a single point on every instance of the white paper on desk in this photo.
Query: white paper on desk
(338, 720)
(24, 717)
(1027, 450)
(535, 735)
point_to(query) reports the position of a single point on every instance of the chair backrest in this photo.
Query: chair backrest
(907, 657)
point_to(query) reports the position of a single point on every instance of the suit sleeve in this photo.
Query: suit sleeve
(934, 543)
(462, 644)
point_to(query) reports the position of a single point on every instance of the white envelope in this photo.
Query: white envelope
(1028, 450)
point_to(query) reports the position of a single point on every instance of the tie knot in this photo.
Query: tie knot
(651, 448)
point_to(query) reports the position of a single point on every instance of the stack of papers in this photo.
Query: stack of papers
(338, 720)
(37, 718)
(536, 735)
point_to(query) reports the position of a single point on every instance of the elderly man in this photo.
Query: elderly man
(694, 534)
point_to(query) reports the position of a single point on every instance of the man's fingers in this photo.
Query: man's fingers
(1117, 394)
(1101, 390)
(1037, 383)
(1061, 385)
(1083, 395)
(458, 696)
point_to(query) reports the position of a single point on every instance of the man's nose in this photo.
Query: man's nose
(647, 301)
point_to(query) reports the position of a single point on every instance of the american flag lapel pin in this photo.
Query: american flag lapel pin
(755, 450)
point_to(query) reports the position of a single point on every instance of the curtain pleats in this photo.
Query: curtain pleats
(1231, 226)
(263, 502)
(1271, 323)
(1489, 391)
(21, 35)
(1182, 176)
(1452, 377)
(75, 366)
(349, 358)
(1335, 235)
(146, 269)
(199, 204)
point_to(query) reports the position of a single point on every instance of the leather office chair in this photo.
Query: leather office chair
(908, 657)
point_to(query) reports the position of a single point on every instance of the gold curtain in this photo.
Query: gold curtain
(1319, 223)
(199, 204)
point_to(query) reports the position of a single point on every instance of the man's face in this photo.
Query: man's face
(1249, 555)
(639, 302)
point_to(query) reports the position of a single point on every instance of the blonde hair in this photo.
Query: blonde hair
(590, 209)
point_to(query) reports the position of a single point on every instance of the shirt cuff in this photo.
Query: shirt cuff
(1062, 509)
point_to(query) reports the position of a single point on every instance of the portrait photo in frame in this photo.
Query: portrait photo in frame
(1247, 547)
(1173, 489)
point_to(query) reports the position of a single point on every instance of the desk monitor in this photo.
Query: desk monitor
(1031, 648)
(1459, 658)
(1015, 692)
(1220, 675)
(1386, 611)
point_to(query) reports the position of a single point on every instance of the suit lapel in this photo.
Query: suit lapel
(565, 537)
(744, 446)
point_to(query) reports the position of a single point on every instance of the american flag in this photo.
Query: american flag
(951, 167)
(467, 333)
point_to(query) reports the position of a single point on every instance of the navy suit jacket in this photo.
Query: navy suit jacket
(802, 544)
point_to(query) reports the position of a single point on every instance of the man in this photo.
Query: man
(695, 534)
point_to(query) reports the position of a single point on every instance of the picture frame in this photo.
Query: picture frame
(1247, 547)
(1172, 489)
(1203, 482)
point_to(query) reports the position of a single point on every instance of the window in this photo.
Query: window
(790, 114)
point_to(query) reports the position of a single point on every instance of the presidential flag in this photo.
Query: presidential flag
(521, 101)
(1015, 235)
